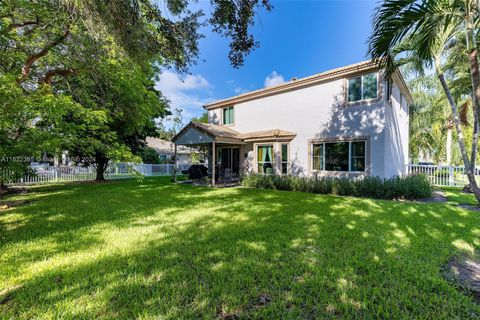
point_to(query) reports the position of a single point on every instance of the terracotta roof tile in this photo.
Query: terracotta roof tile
(275, 133)
(217, 131)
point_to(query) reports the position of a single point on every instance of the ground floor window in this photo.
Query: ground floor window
(284, 158)
(265, 159)
(318, 156)
(339, 156)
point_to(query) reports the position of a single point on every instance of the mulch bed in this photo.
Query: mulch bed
(13, 190)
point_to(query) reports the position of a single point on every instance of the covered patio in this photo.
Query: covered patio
(223, 148)
(229, 152)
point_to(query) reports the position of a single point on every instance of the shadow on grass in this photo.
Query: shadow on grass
(154, 249)
(457, 196)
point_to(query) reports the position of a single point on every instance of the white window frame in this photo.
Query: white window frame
(322, 157)
(361, 87)
(273, 162)
(323, 143)
(288, 158)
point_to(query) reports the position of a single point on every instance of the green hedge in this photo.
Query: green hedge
(408, 187)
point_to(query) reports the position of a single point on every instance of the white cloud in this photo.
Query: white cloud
(188, 94)
(273, 79)
(239, 90)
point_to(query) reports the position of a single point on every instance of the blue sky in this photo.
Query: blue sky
(297, 39)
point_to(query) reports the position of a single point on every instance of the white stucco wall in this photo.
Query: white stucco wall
(318, 112)
(396, 134)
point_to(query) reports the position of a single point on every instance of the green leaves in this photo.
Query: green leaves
(79, 74)
(412, 28)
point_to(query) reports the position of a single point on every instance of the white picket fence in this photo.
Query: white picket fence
(46, 174)
(443, 176)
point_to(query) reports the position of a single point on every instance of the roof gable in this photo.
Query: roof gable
(192, 136)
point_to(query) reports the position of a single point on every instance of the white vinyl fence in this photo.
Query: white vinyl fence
(45, 174)
(444, 176)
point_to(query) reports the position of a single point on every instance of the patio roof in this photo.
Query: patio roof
(200, 133)
(268, 134)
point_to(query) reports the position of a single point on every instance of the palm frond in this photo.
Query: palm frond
(417, 22)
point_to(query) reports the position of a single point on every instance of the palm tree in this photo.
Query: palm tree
(423, 32)
(430, 117)
(427, 118)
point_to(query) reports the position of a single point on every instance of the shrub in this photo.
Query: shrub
(282, 183)
(408, 187)
(415, 187)
(259, 181)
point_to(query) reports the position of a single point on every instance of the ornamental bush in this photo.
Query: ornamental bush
(407, 187)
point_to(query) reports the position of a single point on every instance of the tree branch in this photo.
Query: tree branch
(57, 72)
(31, 59)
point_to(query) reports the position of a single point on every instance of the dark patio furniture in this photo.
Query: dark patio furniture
(196, 172)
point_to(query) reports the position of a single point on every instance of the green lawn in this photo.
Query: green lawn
(154, 249)
(455, 196)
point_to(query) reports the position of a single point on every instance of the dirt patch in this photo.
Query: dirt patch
(465, 272)
(11, 204)
(6, 295)
(469, 207)
(222, 314)
(438, 196)
(262, 300)
(90, 182)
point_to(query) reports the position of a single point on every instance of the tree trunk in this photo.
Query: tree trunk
(475, 78)
(475, 74)
(461, 140)
(449, 146)
(473, 156)
(2, 187)
(102, 163)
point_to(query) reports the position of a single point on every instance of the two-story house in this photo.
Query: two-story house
(349, 121)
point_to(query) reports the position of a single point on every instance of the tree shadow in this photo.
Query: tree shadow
(203, 253)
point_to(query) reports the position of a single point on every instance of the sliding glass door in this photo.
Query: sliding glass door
(229, 158)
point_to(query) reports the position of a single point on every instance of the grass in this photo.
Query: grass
(154, 249)
(456, 196)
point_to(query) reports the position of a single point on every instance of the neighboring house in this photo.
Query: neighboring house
(166, 151)
(348, 121)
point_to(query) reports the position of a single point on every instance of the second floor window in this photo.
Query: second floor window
(363, 87)
(228, 115)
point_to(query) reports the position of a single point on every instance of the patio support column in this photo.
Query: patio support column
(213, 163)
(175, 163)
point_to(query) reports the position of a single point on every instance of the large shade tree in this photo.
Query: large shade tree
(54, 49)
(424, 31)
(124, 100)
